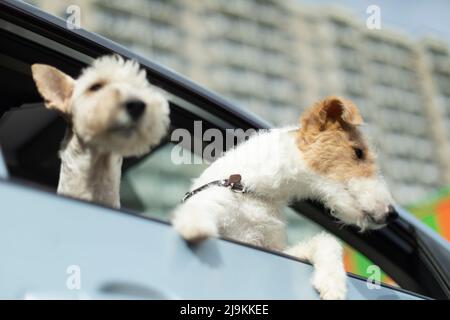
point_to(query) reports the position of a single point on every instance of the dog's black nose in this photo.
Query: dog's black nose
(135, 108)
(391, 215)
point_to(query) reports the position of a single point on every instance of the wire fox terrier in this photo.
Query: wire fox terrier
(112, 111)
(325, 159)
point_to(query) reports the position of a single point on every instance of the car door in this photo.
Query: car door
(59, 247)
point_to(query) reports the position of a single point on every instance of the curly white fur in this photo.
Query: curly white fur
(101, 130)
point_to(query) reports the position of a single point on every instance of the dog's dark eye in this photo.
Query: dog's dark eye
(359, 153)
(95, 87)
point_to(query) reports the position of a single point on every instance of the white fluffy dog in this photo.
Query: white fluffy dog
(112, 111)
(325, 159)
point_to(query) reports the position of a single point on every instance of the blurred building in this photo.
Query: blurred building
(277, 57)
(435, 62)
(379, 70)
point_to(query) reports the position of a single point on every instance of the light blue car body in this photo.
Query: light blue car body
(54, 247)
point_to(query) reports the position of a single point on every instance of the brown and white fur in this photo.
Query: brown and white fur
(112, 111)
(326, 159)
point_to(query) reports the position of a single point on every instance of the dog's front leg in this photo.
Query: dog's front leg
(325, 253)
(197, 218)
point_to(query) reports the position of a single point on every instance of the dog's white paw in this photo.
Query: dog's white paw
(330, 285)
(195, 230)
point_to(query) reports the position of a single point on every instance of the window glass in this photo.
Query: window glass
(156, 185)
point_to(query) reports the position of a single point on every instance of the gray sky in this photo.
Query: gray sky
(418, 18)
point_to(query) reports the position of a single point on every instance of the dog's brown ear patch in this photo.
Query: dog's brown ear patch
(55, 87)
(330, 110)
(328, 138)
(337, 108)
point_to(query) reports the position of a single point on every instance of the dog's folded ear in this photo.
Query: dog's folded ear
(329, 111)
(55, 87)
(336, 108)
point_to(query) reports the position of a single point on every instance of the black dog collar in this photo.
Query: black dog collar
(233, 183)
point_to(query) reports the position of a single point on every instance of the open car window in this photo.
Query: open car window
(152, 185)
